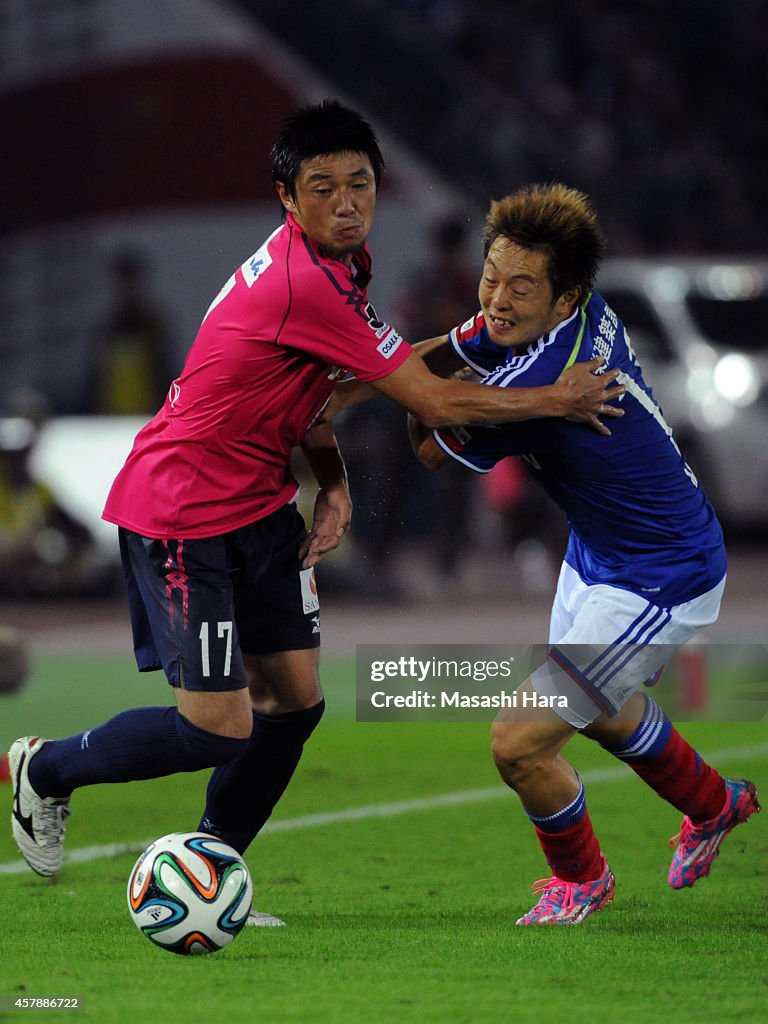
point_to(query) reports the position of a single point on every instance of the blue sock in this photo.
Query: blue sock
(144, 743)
(242, 793)
(649, 739)
(565, 817)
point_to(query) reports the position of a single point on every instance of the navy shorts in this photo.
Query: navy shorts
(197, 605)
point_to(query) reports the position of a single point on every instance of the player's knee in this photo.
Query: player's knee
(240, 725)
(508, 747)
(237, 724)
(225, 714)
(515, 751)
(283, 682)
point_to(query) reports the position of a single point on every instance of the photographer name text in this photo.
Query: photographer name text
(457, 699)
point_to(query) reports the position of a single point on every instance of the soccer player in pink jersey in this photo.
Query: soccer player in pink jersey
(218, 562)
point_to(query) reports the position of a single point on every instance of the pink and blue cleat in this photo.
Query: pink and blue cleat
(563, 902)
(699, 844)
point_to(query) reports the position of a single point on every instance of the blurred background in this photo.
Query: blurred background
(136, 178)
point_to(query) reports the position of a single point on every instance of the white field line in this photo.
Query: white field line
(618, 773)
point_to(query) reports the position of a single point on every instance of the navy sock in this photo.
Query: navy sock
(144, 743)
(242, 793)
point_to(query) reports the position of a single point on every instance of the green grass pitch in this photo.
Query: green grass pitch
(402, 916)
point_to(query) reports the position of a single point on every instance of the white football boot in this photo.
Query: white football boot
(37, 822)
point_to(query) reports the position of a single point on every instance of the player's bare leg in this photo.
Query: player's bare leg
(225, 712)
(526, 746)
(284, 681)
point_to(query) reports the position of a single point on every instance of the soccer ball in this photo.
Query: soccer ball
(190, 893)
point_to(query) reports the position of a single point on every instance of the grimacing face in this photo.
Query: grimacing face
(334, 202)
(516, 295)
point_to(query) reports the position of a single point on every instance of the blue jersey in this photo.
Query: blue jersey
(638, 518)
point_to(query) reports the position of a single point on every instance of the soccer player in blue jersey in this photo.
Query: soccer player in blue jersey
(645, 564)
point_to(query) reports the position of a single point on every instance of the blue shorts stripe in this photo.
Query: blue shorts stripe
(613, 649)
(631, 635)
(635, 648)
(639, 634)
(578, 677)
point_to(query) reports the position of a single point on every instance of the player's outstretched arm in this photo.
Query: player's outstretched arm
(345, 395)
(436, 353)
(445, 403)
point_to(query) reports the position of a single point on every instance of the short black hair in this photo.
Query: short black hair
(326, 127)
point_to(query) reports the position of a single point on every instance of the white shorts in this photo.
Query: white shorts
(607, 642)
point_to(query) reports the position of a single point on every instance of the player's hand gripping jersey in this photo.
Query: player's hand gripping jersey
(263, 366)
(638, 517)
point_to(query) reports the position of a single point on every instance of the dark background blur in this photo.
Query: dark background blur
(135, 178)
(655, 108)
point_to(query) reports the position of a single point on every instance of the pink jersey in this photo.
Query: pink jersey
(263, 366)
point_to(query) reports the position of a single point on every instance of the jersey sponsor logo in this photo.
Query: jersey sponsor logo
(390, 344)
(603, 341)
(254, 267)
(390, 339)
(309, 598)
(174, 393)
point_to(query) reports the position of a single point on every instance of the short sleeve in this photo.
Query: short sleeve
(335, 322)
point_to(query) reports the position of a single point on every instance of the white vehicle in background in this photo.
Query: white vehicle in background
(699, 327)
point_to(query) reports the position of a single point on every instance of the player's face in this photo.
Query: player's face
(516, 295)
(334, 202)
